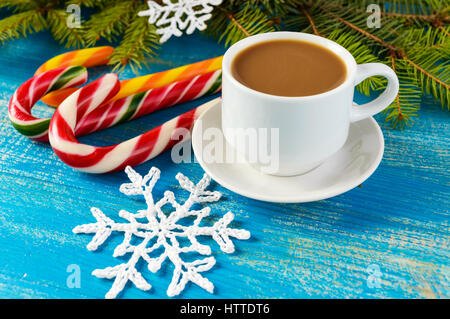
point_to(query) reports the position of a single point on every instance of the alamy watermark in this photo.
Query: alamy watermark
(256, 146)
(374, 19)
(74, 278)
(74, 17)
(374, 278)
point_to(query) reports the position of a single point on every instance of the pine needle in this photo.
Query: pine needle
(414, 37)
(231, 27)
(140, 42)
(362, 54)
(70, 37)
(21, 24)
(110, 22)
(405, 107)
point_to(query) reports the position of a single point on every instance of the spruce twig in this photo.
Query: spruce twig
(311, 21)
(430, 79)
(70, 37)
(111, 22)
(139, 42)
(236, 23)
(21, 24)
(414, 38)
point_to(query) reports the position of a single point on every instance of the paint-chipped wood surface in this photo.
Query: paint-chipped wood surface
(398, 220)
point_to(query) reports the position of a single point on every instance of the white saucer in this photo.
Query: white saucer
(346, 169)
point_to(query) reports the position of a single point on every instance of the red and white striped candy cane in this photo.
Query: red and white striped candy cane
(93, 159)
(143, 103)
(25, 97)
(115, 112)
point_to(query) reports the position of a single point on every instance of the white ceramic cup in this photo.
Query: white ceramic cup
(311, 128)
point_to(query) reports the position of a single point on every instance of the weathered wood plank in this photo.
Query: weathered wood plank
(398, 220)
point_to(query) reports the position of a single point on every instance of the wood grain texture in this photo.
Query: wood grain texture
(398, 220)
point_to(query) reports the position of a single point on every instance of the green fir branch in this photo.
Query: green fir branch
(425, 56)
(270, 7)
(18, 5)
(110, 22)
(69, 37)
(140, 42)
(21, 24)
(414, 37)
(407, 103)
(432, 71)
(362, 54)
(234, 26)
(89, 3)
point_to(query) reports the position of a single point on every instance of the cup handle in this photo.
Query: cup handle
(364, 71)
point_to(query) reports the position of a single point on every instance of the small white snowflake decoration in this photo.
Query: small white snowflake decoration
(158, 234)
(173, 17)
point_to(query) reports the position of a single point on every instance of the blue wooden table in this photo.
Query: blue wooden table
(394, 228)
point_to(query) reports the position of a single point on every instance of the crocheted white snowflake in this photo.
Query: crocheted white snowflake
(173, 17)
(158, 231)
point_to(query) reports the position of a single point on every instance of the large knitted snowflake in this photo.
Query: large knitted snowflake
(159, 233)
(173, 17)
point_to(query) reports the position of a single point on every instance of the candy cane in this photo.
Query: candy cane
(86, 57)
(110, 114)
(94, 159)
(32, 90)
(100, 55)
(143, 103)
